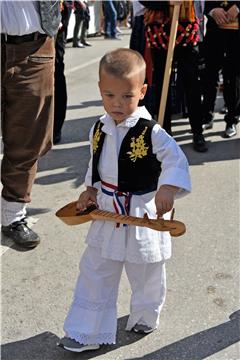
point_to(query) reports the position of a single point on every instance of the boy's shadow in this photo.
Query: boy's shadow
(43, 346)
(195, 347)
(201, 345)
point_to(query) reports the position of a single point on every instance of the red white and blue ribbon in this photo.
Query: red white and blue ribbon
(121, 200)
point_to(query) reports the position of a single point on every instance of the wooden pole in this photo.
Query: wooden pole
(168, 66)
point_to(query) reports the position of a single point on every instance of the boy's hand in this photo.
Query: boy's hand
(164, 199)
(86, 198)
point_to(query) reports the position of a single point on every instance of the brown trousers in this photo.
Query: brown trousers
(27, 113)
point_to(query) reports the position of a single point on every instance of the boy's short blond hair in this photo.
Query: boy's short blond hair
(123, 63)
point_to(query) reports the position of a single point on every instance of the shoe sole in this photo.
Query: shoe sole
(79, 350)
(29, 245)
(207, 127)
(201, 151)
(142, 332)
(230, 136)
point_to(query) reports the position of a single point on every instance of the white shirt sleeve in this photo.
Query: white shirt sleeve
(20, 18)
(174, 164)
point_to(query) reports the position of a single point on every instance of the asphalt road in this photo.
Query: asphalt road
(200, 319)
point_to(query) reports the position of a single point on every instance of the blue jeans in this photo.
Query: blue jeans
(110, 19)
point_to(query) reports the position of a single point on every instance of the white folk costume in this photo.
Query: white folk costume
(93, 315)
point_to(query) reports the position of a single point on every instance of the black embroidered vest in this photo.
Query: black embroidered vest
(138, 167)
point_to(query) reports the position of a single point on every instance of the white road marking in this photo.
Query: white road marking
(82, 66)
(71, 145)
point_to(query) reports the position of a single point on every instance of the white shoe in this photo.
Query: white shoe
(75, 346)
(230, 131)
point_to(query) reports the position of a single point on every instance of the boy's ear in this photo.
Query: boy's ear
(143, 91)
(99, 86)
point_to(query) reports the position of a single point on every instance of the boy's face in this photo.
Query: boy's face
(121, 96)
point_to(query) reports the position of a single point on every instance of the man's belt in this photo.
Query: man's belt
(19, 39)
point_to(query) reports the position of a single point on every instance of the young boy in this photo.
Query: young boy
(136, 168)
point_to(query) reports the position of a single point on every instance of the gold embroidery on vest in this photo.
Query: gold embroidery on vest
(96, 138)
(139, 148)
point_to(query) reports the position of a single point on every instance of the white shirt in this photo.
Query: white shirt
(133, 243)
(19, 18)
(138, 9)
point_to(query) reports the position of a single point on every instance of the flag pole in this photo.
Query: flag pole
(168, 66)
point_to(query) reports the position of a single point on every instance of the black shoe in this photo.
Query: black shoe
(223, 110)
(56, 139)
(78, 45)
(208, 125)
(21, 234)
(86, 43)
(199, 143)
(231, 130)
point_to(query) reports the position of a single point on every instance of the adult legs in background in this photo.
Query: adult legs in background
(187, 59)
(188, 62)
(187, 69)
(138, 43)
(221, 52)
(213, 49)
(60, 98)
(97, 16)
(60, 101)
(27, 127)
(231, 88)
(83, 34)
(110, 19)
(76, 31)
(137, 39)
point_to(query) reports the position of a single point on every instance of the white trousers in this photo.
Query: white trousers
(92, 318)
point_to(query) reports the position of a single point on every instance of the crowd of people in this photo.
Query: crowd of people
(201, 35)
(33, 39)
(216, 49)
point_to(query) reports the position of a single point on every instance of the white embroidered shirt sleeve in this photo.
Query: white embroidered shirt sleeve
(175, 168)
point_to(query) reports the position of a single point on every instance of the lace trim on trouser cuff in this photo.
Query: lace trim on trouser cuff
(105, 338)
